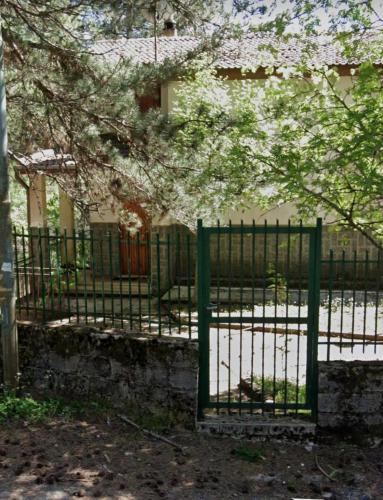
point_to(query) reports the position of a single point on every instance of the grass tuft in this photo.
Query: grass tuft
(28, 409)
(285, 391)
(249, 454)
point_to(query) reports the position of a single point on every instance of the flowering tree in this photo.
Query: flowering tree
(297, 137)
(303, 135)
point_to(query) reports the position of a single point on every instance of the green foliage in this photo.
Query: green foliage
(32, 410)
(299, 137)
(309, 141)
(19, 204)
(277, 283)
(53, 212)
(67, 92)
(250, 454)
(283, 389)
(29, 409)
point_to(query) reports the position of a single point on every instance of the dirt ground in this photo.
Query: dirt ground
(105, 458)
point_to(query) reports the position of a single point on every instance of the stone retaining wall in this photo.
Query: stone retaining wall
(350, 394)
(140, 372)
(159, 376)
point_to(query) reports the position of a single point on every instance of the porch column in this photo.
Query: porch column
(37, 216)
(38, 222)
(66, 212)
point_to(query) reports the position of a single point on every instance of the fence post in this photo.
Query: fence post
(203, 280)
(315, 315)
(7, 282)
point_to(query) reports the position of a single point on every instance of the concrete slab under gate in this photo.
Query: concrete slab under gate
(252, 426)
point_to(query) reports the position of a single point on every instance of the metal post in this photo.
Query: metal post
(203, 259)
(313, 317)
(7, 285)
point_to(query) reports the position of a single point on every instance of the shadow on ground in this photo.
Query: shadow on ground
(104, 458)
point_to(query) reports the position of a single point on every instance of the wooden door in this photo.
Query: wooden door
(135, 249)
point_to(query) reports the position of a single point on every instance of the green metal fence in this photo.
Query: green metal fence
(258, 293)
(81, 277)
(351, 320)
(258, 349)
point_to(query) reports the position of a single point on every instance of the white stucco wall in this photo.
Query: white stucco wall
(247, 215)
(106, 212)
(282, 213)
(169, 90)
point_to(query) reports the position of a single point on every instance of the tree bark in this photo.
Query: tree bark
(7, 282)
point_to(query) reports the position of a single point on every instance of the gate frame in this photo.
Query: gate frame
(205, 312)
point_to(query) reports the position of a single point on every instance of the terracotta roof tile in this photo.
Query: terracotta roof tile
(247, 52)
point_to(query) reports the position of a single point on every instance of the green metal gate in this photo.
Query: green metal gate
(258, 308)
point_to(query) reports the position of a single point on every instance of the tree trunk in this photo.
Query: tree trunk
(7, 283)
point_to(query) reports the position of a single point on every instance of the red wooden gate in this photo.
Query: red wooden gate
(135, 246)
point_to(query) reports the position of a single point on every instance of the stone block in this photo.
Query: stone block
(155, 375)
(183, 379)
(350, 394)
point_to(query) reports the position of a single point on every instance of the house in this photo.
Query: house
(230, 59)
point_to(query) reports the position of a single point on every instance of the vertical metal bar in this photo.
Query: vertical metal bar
(178, 281)
(353, 300)
(230, 274)
(378, 279)
(203, 281)
(129, 242)
(189, 282)
(264, 311)
(74, 238)
(343, 277)
(26, 276)
(313, 316)
(34, 286)
(253, 268)
(287, 308)
(158, 284)
(49, 258)
(58, 270)
(329, 317)
(310, 327)
(119, 243)
(365, 300)
(93, 264)
(111, 276)
(148, 279)
(67, 282)
(41, 261)
(138, 253)
(300, 284)
(241, 263)
(168, 264)
(276, 299)
(316, 312)
(218, 290)
(84, 271)
(16, 254)
(101, 243)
